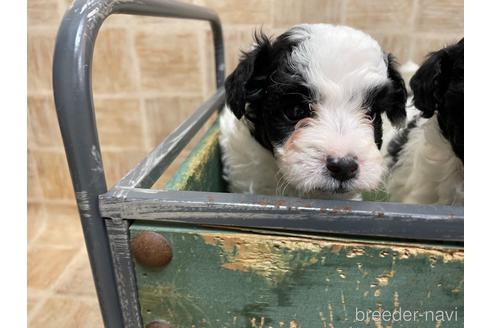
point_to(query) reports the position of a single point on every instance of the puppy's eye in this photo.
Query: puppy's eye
(298, 112)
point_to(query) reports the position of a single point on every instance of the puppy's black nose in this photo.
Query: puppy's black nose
(342, 169)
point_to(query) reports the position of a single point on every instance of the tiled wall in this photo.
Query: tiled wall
(150, 73)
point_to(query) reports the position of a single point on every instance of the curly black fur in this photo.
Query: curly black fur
(267, 91)
(438, 87)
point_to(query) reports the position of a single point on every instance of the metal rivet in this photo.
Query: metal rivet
(158, 324)
(151, 249)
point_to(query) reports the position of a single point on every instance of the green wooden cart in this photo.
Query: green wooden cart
(194, 255)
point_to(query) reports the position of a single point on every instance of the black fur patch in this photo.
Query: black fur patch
(399, 141)
(438, 87)
(273, 97)
(389, 98)
(394, 99)
(277, 96)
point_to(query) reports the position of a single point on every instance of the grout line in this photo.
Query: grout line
(151, 28)
(124, 95)
(36, 292)
(205, 71)
(50, 291)
(36, 179)
(60, 150)
(41, 293)
(78, 297)
(47, 149)
(51, 201)
(41, 228)
(41, 296)
(385, 31)
(413, 21)
(44, 28)
(68, 269)
(150, 94)
(413, 18)
(138, 79)
(343, 12)
(144, 127)
(60, 247)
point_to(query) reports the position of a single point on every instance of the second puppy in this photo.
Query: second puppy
(426, 158)
(303, 113)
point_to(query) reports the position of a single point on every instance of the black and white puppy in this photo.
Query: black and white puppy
(304, 112)
(426, 158)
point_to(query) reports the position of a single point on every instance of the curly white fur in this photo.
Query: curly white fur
(427, 170)
(342, 64)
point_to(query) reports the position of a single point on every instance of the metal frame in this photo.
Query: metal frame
(106, 216)
(72, 65)
(348, 218)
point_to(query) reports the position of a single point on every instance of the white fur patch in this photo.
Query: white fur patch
(427, 171)
(250, 168)
(338, 132)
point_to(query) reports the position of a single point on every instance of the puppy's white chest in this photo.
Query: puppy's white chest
(428, 171)
(248, 167)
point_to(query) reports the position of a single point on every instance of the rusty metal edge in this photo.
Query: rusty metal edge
(433, 223)
(119, 241)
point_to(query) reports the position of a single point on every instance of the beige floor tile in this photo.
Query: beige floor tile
(40, 45)
(46, 264)
(32, 301)
(77, 280)
(35, 220)
(61, 227)
(59, 312)
(35, 299)
(54, 177)
(34, 190)
(43, 123)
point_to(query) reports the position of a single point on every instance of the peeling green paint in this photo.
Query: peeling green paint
(226, 278)
(223, 278)
(202, 169)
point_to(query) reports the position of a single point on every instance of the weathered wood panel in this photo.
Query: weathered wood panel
(221, 278)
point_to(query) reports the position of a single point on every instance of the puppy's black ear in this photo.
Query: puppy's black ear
(249, 78)
(396, 98)
(391, 98)
(426, 84)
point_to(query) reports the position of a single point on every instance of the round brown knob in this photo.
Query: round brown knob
(158, 324)
(151, 249)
